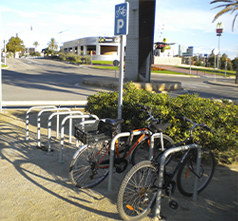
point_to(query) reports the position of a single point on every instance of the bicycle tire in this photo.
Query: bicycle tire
(187, 172)
(141, 151)
(84, 171)
(138, 191)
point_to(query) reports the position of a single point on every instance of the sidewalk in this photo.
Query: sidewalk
(34, 186)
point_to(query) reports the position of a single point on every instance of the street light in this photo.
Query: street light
(61, 36)
(219, 31)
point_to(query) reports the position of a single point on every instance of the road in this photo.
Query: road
(42, 79)
(48, 80)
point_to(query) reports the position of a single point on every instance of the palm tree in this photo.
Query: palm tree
(53, 45)
(35, 44)
(229, 6)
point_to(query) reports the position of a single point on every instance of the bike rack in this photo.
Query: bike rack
(28, 117)
(70, 125)
(156, 135)
(161, 172)
(112, 152)
(62, 130)
(39, 117)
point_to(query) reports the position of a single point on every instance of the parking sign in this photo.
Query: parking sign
(121, 19)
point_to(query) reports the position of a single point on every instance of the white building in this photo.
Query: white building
(101, 48)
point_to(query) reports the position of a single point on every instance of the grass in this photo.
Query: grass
(108, 65)
(102, 62)
(170, 72)
(210, 70)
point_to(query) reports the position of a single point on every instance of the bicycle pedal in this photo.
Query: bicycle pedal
(173, 204)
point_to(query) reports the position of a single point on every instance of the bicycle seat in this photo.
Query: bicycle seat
(160, 127)
(113, 122)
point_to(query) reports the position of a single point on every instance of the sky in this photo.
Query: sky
(182, 22)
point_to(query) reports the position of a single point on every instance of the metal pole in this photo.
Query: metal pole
(190, 65)
(0, 72)
(225, 67)
(121, 80)
(5, 59)
(218, 56)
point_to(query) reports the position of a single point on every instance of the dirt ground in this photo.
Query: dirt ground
(35, 186)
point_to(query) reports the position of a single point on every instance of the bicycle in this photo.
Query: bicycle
(139, 187)
(90, 163)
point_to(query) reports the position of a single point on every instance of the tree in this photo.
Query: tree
(36, 44)
(229, 6)
(14, 45)
(53, 45)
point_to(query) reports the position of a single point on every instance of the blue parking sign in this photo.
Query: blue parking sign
(121, 19)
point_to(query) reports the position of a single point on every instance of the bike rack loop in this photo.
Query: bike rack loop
(112, 152)
(38, 121)
(70, 125)
(28, 117)
(152, 138)
(161, 172)
(62, 130)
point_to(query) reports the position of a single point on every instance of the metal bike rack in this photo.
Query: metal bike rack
(38, 121)
(161, 172)
(152, 138)
(62, 130)
(70, 125)
(28, 117)
(112, 152)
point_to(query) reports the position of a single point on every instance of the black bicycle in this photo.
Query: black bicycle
(138, 190)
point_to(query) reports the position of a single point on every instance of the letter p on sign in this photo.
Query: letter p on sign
(121, 19)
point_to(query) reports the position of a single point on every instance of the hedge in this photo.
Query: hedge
(221, 117)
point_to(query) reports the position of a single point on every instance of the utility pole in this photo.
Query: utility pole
(61, 35)
(219, 31)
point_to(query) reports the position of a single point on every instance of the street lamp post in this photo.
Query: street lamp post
(219, 31)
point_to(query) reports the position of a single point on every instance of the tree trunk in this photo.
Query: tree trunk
(236, 80)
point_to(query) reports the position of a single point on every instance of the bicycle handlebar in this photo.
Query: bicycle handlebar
(147, 110)
(143, 107)
(195, 124)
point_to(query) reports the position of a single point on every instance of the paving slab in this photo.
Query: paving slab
(34, 186)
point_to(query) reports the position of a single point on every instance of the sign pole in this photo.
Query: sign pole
(120, 29)
(121, 78)
(0, 72)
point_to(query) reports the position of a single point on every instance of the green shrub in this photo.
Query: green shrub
(87, 59)
(221, 117)
(62, 56)
(73, 57)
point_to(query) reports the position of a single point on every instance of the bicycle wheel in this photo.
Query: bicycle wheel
(138, 191)
(187, 172)
(86, 170)
(141, 152)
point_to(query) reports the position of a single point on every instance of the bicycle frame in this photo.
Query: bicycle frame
(127, 153)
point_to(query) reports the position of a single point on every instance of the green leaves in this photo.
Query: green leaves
(221, 117)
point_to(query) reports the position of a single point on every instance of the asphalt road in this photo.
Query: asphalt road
(47, 80)
(42, 79)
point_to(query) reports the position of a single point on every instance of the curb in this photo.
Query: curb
(157, 86)
(24, 104)
(222, 83)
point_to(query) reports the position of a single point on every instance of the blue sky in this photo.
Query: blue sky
(184, 22)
